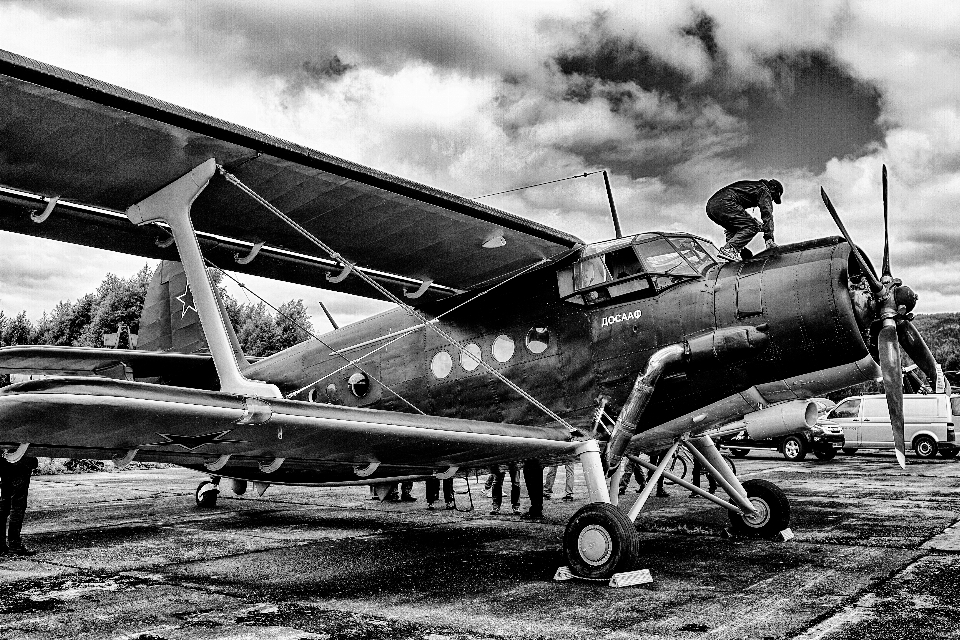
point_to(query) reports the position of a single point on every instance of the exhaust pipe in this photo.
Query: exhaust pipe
(716, 346)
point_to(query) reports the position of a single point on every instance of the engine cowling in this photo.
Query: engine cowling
(781, 419)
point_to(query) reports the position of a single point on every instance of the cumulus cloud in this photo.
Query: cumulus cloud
(674, 99)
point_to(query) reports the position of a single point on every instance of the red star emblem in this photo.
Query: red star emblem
(186, 299)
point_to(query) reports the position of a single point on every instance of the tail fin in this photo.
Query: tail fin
(169, 320)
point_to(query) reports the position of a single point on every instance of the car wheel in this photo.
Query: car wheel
(849, 451)
(600, 540)
(925, 447)
(794, 448)
(949, 453)
(773, 510)
(825, 454)
(739, 453)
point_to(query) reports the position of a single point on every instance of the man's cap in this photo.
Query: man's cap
(776, 189)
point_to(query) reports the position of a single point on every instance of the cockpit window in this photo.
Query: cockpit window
(590, 272)
(694, 253)
(615, 265)
(661, 257)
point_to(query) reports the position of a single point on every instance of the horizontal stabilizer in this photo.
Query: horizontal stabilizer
(180, 369)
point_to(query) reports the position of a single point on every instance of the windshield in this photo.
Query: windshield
(846, 409)
(661, 257)
(694, 253)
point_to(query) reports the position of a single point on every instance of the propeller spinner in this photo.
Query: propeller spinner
(893, 302)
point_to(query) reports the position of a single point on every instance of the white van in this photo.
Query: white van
(928, 422)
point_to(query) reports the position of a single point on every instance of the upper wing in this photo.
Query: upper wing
(101, 149)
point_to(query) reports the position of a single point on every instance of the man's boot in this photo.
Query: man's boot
(16, 547)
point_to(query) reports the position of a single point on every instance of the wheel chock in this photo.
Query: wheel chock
(617, 581)
(631, 578)
(784, 535)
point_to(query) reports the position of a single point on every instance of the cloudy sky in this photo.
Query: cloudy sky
(675, 99)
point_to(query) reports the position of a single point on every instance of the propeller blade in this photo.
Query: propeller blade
(915, 346)
(875, 285)
(886, 238)
(893, 384)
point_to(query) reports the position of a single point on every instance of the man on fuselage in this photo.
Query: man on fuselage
(727, 207)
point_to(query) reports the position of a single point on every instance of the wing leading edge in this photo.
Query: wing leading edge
(101, 148)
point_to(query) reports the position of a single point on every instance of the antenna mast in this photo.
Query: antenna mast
(613, 207)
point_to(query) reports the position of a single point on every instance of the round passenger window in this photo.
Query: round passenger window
(442, 364)
(359, 384)
(538, 339)
(503, 348)
(470, 357)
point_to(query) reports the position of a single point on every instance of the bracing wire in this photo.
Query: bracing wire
(386, 293)
(539, 184)
(350, 363)
(405, 333)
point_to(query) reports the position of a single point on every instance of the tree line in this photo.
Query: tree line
(119, 301)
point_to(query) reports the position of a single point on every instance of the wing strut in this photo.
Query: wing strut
(171, 205)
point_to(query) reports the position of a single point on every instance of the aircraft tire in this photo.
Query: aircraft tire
(773, 507)
(600, 540)
(206, 496)
(794, 449)
(825, 454)
(739, 453)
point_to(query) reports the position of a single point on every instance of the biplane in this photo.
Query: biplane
(509, 340)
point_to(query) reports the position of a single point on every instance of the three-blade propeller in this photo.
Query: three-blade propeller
(893, 302)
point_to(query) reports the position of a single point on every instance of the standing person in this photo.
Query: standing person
(533, 478)
(550, 480)
(697, 471)
(497, 496)
(433, 493)
(14, 486)
(655, 458)
(727, 207)
(629, 468)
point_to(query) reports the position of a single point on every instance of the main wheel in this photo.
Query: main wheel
(925, 447)
(739, 453)
(600, 540)
(949, 453)
(794, 448)
(206, 495)
(825, 454)
(773, 511)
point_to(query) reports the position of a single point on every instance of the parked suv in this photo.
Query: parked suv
(928, 423)
(823, 440)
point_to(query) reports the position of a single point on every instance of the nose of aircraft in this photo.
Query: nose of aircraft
(892, 304)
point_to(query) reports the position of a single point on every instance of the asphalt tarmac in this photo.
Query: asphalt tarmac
(128, 555)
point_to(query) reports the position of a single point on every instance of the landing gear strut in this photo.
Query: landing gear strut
(600, 540)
